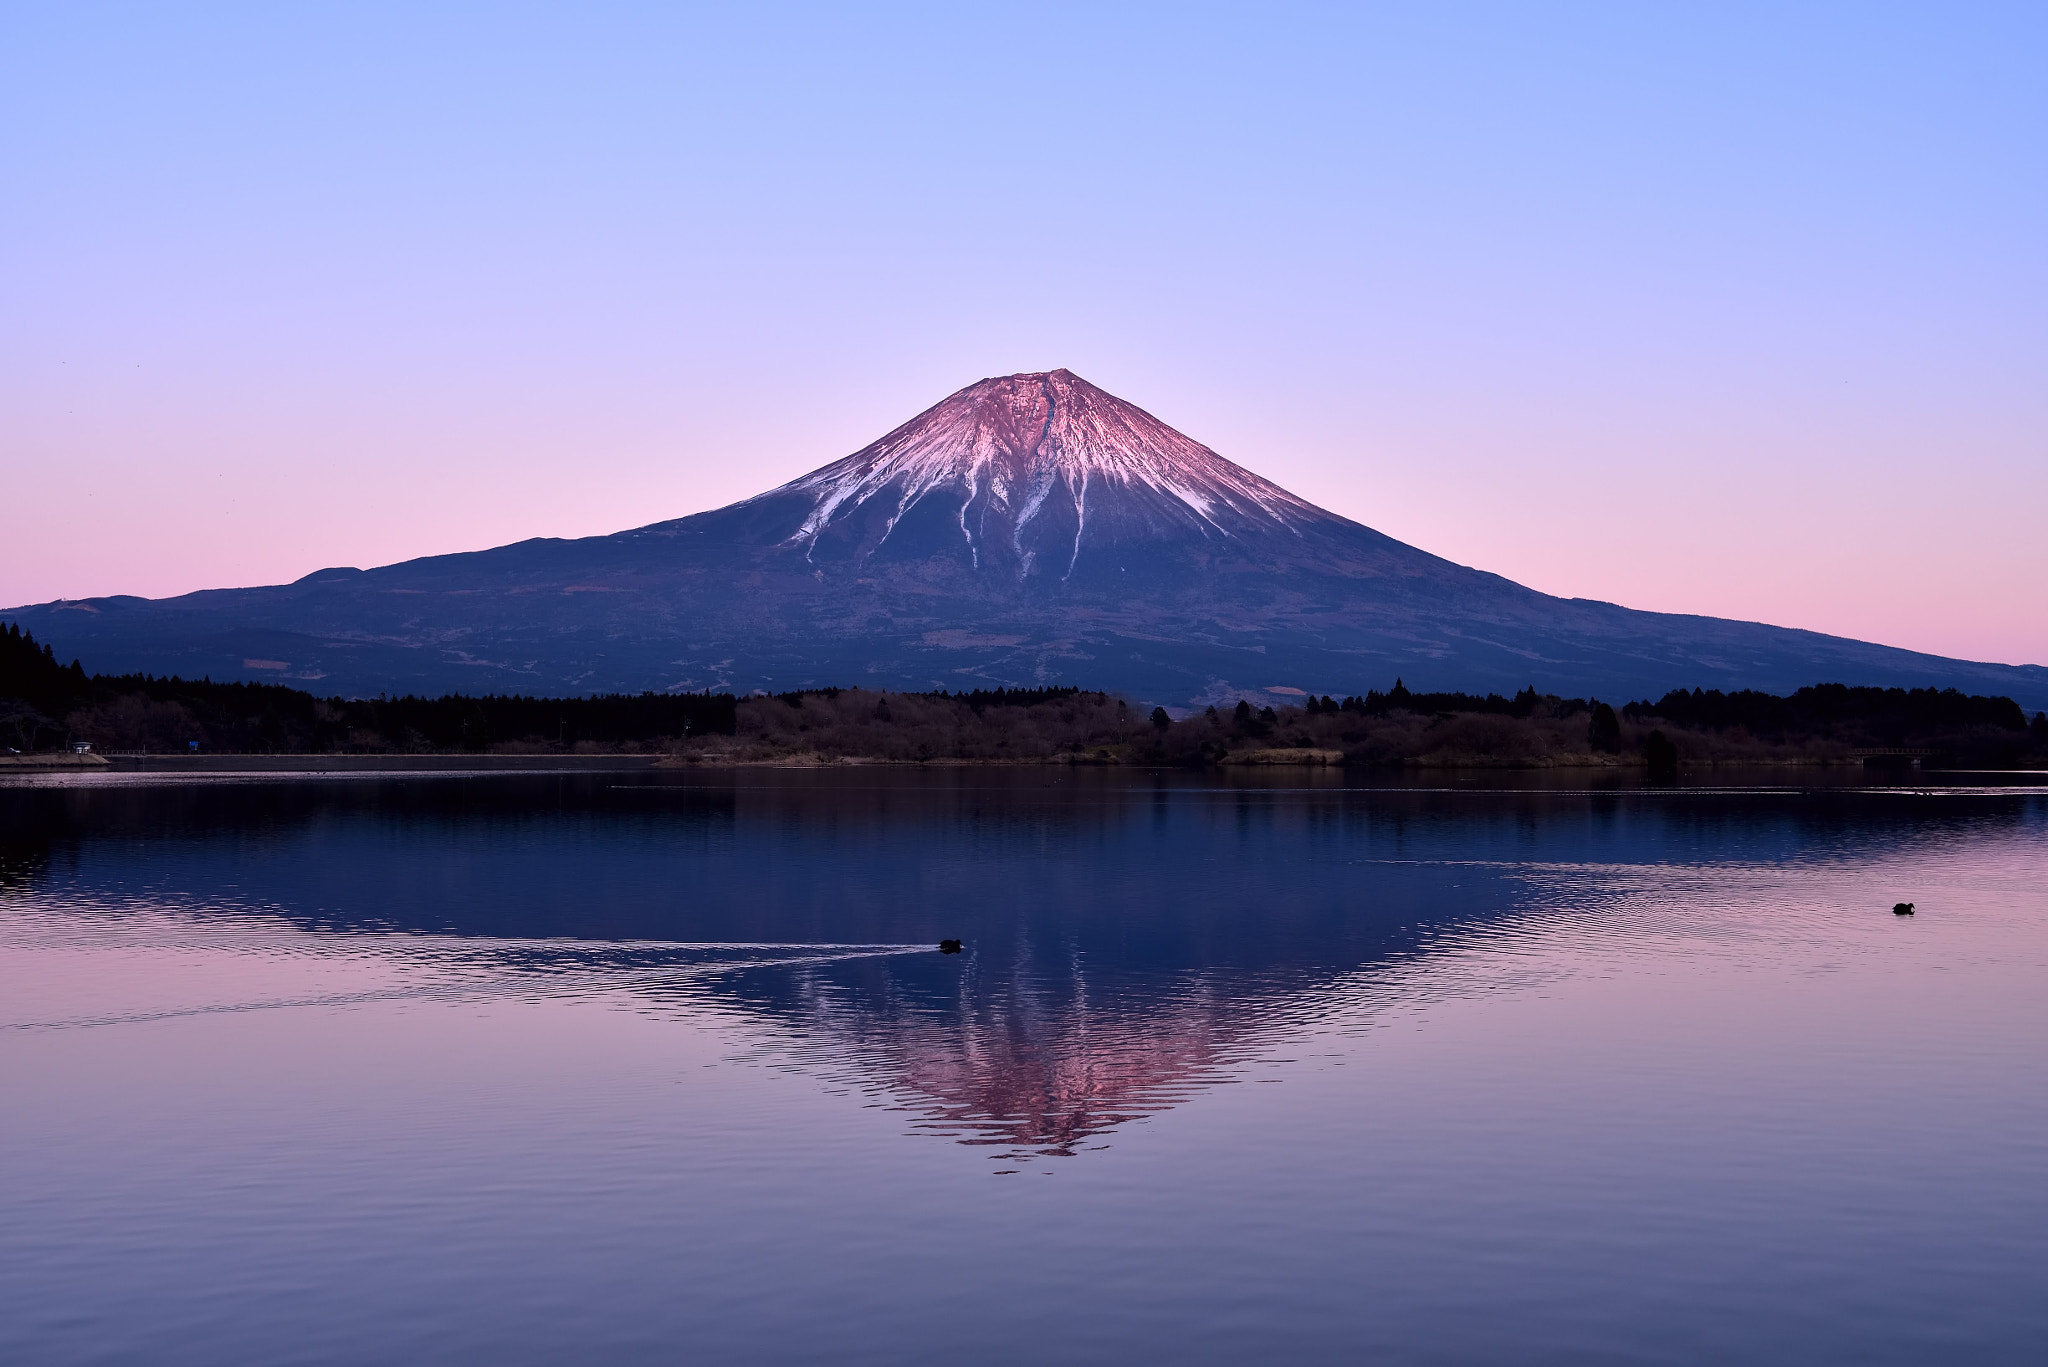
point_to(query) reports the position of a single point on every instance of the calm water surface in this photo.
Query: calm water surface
(664, 1068)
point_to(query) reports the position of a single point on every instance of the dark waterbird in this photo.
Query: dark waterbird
(1902, 908)
(949, 946)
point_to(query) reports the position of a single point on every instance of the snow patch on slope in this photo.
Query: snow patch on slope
(1013, 448)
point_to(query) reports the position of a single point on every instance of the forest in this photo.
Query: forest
(47, 706)
(1826, 724)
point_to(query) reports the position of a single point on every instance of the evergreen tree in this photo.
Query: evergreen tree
(1603, 730)
(1662, 756)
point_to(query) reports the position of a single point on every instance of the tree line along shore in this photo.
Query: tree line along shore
(47, 707)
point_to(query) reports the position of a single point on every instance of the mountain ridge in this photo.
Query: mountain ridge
(1027, 529)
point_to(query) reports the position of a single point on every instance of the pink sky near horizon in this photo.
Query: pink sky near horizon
(1737, 315)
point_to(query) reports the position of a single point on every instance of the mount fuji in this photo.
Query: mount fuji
(1028, 529)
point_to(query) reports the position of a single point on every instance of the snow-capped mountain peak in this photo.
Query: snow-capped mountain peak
(1035, 471)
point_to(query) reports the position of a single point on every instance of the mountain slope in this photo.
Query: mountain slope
(1030, 528)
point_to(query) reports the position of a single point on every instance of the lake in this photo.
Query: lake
(666, 1067)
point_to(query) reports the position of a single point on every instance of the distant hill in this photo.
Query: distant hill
(1028, 530)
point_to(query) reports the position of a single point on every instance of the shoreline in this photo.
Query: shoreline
(373, 764)
(171, 763)
(52, 763)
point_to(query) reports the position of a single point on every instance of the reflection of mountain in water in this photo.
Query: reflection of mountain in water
(1129, 942)
(1011, 1058)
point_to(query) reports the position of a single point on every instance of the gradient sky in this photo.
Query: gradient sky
(1733, 309)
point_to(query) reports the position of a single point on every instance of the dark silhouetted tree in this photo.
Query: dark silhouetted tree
(1662, 756)
(1160, 720)
(1603, 730)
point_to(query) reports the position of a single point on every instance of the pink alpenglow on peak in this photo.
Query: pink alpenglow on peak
(1030, 468)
